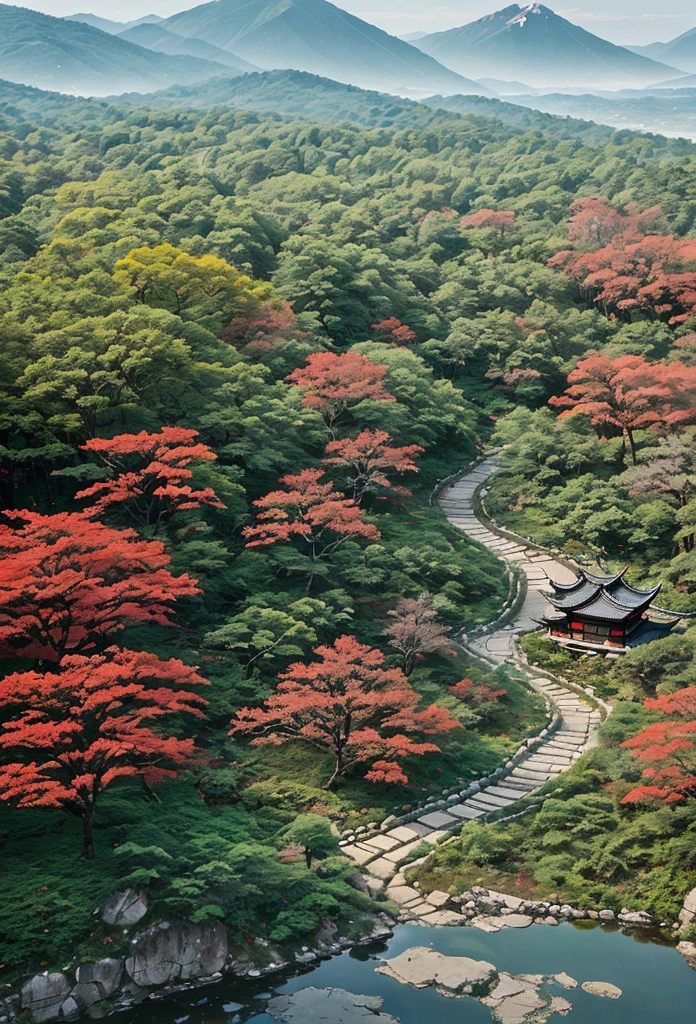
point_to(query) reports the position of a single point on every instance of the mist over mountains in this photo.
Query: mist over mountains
(517, 52)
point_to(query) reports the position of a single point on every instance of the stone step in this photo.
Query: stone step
(503, 791)
(465, 811)
(494, 801)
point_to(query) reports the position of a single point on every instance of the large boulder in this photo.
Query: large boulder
(688, 911)
(176, 951)
(125, 907)
(44, 994)
(95, 982)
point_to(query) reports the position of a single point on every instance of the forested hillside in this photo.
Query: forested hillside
(239, 350)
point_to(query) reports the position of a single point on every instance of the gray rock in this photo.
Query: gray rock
(688, 951)
(607, 915)
(565, 980)
(70, 1010)
(176, 951)
(315, 1005)
(126, 907)
(688, 911)
(422, 967)
(44, 994)
(95, 982)
(638, 917)
(602, 988)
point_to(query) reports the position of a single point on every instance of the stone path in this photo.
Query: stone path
(548, 755)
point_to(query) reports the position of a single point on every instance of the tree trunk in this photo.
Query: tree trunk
(308, 857)
(88, 833)
(338, 770)
(631, 441)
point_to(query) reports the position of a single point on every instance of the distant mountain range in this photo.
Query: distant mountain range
(542, 49)
(680, 52)
(316, 36)
(114, 28)
(76, 58)
(154, 37)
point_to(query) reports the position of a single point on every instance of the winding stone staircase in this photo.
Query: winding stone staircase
(547, 755)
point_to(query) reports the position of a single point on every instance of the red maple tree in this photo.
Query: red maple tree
(415, 630)
(347, 702)
(68, 582)
(498, 220)
(311, 512)
(630, 393)
(630, 270)
(333, 383)
(392, 330)
(269, 325)
(149, 475)
(594, 222)
(77, 730)
(668, 748)
(369, 457)
(476, 694)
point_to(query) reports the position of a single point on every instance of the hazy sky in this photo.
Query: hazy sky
(622, 21)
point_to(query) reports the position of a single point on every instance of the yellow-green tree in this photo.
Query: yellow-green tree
(193, 287)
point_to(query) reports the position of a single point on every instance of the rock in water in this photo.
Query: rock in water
(565, 980)
(95, 982)
(176, 951)
(515, 1001)
(421, 967)
(602, 988)
(322, 1005)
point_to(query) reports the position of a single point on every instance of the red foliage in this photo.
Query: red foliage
(393, 330)
(499, 220)
(595, 222)
(75, 731)
(630, 393)
(309, 511)
(332, 383)
(350, 703)
(630, 270)
(68, 582)
(148, 475)
(669, 747)
(475, 694)
(270, 325)
(369, 458)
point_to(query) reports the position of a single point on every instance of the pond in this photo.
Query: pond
(658, 985)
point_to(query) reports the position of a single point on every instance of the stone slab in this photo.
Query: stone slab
(438, 819)
(464, 811)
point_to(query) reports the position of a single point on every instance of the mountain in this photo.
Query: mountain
(307, 97)
(538, 47)
(69, 56)
(316, 36)
(114, 28)
(154, 37)
(679, 52)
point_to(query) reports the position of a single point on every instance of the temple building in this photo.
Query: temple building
(604, 613)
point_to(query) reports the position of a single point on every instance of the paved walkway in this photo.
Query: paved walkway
(380, 854)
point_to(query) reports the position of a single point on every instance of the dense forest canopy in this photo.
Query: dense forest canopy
(239, 350)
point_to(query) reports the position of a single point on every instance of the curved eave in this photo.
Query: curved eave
(604, 608)
(588, 577)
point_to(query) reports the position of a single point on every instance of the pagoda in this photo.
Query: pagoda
(605, 613)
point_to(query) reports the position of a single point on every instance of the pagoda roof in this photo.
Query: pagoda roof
(588, 577)
(608, 598)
